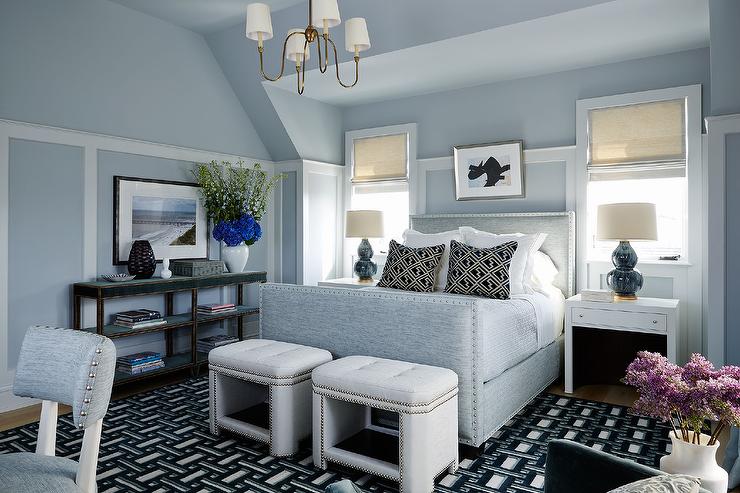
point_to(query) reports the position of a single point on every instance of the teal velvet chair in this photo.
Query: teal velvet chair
(576, 468)
(75, 368)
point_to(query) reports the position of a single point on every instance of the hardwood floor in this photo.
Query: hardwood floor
(31, 414)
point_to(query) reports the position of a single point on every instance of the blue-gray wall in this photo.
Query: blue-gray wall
(314, 128)
(545, 192)
(539, 110)
(289, 232)
(732, 240)
(724, 41)
(724, 18)
(45, 234)
(94, 65)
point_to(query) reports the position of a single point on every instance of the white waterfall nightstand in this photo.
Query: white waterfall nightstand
(348, 282)
(601, 339)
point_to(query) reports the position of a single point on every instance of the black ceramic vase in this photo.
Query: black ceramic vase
(141, 261)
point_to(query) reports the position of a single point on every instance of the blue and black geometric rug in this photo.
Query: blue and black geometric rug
(159, 441)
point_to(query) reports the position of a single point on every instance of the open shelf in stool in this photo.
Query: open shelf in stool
(373, 443)
(257, 415)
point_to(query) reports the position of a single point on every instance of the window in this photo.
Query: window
(638, 153)
(379, 180)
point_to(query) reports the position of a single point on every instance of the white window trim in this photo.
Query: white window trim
(352, 135)
(689, 270)
(692, 94)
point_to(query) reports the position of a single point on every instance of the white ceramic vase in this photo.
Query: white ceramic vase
(235, 257)
(166, 272)
(698, 460)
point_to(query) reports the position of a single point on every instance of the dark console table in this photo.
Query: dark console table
(103, 290)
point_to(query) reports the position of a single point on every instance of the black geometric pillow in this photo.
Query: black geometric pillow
(411, 269)
(480, 271)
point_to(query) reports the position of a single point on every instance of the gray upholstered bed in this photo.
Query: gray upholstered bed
(435, 329)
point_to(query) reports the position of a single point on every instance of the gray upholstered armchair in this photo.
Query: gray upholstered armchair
(75, 368)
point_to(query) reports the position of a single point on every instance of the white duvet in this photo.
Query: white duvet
(514, 329)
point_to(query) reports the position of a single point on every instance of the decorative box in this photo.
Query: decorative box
(197, 268)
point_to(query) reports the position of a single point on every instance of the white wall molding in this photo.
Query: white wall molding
(718, 128)
(687, 275)
(565, 154)
(91, 143)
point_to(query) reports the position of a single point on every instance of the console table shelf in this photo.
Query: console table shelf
(102, 290)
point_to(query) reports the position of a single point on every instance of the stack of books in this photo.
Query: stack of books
(215, 308)
(600, 295)
(207, 343)
(133, 364)
(139, 319)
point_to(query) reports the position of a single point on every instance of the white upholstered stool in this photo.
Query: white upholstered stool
(261, 389)
(425, 398)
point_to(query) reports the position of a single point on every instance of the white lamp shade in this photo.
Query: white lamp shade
(259, 21)
(326, 11)
(355, 35)
(296, 44)
(364, 224)
(631, 221)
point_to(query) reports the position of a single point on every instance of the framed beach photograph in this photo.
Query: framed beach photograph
(489, 171)
(168, 214)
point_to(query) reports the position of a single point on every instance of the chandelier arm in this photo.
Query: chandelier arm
(336, 64)
(282, 58)
(301, 71)
(325, 64)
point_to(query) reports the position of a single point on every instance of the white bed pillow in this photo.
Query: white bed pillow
(544, 271)
(415, 239)
(520, 268)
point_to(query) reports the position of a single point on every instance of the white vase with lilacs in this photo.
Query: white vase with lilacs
(698, 400)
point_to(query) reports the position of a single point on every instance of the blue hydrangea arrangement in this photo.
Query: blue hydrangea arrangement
(245, 229)
(235, 198)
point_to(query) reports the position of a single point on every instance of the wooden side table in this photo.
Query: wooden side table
(601, 339)
(348, 282)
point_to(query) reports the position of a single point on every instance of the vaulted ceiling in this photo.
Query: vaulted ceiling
(426, 46)
(202, 16)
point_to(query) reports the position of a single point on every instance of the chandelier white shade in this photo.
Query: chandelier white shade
(296, 51)
(356, 37)
(259, 22)
(326, 13)
(298, 42)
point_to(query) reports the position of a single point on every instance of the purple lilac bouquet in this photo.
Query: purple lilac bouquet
(232, 233)
(686, 396)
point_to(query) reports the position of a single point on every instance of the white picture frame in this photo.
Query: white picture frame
(168, 214)
(489, 171)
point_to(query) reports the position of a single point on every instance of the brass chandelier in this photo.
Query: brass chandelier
(296, 46)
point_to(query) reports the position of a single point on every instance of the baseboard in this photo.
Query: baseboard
(11, 402)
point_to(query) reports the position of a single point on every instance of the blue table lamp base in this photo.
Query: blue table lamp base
(624, 279)
(365, 268)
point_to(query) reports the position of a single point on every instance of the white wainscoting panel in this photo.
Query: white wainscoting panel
(91, 143)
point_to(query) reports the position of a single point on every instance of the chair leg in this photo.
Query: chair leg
(89, 458)
(47, 437)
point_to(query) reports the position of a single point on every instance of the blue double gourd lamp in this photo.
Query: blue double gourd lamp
(364, 224)
(624, 223)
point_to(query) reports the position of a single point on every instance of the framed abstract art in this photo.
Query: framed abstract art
(489, 171)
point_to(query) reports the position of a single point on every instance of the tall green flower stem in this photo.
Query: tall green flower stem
(231, 190)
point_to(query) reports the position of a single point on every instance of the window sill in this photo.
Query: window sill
(675, 263)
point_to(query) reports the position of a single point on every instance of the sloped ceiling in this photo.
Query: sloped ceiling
(422, 46)
(201, 16)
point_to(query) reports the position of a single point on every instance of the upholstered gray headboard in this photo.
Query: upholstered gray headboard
(560, 227)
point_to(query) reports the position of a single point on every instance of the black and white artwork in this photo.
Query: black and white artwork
(168, 214)
(489, 171)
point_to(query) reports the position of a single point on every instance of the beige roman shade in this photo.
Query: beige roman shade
(380, 158)
(645, 140)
